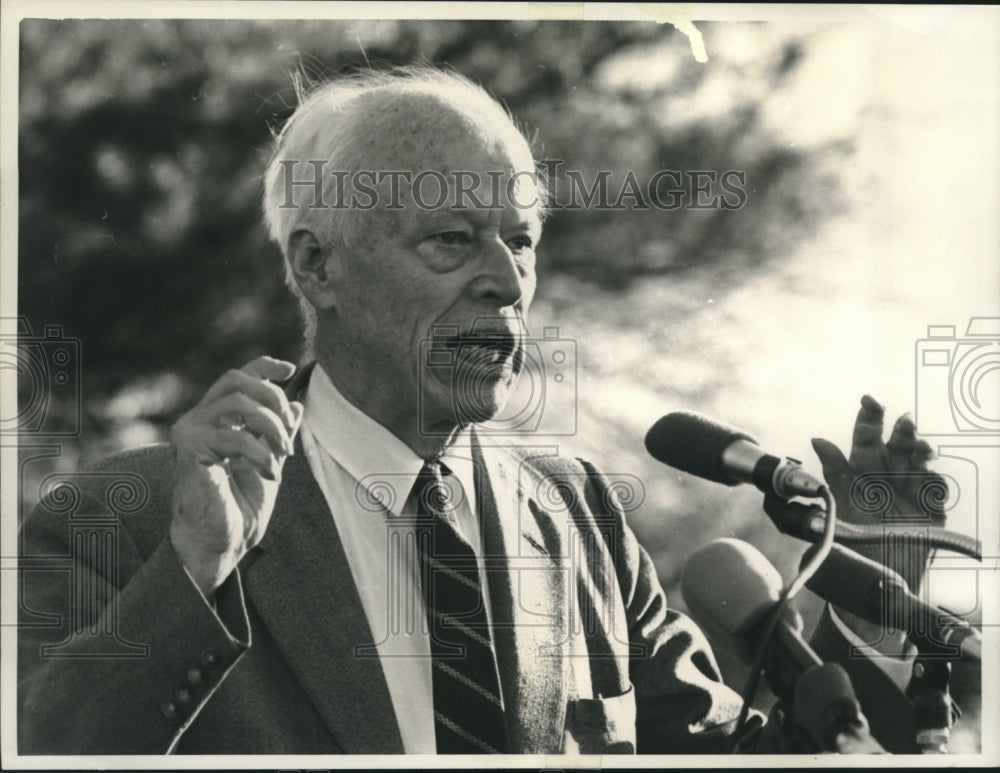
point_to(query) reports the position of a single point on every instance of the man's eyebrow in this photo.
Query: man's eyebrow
(445, 216)
(533, 223)
(469, 214)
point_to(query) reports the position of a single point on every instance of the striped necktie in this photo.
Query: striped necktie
(468, 708)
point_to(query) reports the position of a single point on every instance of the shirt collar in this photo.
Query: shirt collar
(382, 464)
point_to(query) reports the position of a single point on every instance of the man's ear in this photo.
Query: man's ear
(316, 271)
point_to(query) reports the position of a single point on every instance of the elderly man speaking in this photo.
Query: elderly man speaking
(333, 558)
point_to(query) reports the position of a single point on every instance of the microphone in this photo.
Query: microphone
(879, 595)
(698, 445)
(826, 707)
(730, 587)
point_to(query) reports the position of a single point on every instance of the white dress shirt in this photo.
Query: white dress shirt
(366, 474)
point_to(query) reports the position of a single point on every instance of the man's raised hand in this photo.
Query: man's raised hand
(230, 450)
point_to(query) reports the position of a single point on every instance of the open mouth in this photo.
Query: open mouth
(484, 348)
(487, 349)
(478, 368)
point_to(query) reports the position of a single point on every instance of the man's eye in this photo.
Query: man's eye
(520, 243)
(451, 238)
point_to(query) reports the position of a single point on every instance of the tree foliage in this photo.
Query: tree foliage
(142, 145)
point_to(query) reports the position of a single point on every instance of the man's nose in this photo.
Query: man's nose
(500, 280)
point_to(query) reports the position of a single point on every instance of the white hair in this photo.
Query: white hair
(328, 128)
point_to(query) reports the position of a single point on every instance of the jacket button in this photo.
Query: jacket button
(169, 708)
(184, 695)
(210, 658)
(195, 675)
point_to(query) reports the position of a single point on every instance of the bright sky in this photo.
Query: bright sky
(789, 354)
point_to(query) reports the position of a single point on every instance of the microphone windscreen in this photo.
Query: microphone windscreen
(730, 585)
(693, 443)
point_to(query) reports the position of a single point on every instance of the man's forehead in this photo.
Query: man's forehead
(417, 131)
(507, 217)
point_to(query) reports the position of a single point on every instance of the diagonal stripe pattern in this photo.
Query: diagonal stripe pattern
(468, 707)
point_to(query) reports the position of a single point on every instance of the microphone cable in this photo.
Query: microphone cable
(808, 523)
(806, 571)
(937, 538)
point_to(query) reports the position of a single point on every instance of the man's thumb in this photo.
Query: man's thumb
(836, 469)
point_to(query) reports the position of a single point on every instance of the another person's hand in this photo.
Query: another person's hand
(896, 488)
(230, 450)
(895, 470)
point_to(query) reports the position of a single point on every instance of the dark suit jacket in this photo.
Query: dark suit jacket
(120, 653)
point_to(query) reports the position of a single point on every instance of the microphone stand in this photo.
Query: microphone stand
(816, 700)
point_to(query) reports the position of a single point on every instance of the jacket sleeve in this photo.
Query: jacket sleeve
(682, 705)
(117, 648)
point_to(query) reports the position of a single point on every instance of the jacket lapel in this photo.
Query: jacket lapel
(528, 579)
(300, 583)
(299, 573)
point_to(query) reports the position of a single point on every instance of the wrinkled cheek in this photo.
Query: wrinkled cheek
(528, 286)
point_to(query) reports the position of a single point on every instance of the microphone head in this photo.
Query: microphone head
(876, 593)
(863, 587)
(825, 705)
(694, 443)
(730, 585)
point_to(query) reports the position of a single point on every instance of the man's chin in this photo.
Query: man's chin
(481, 405)
(465, 395)
(469, 406)
(484, 395)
